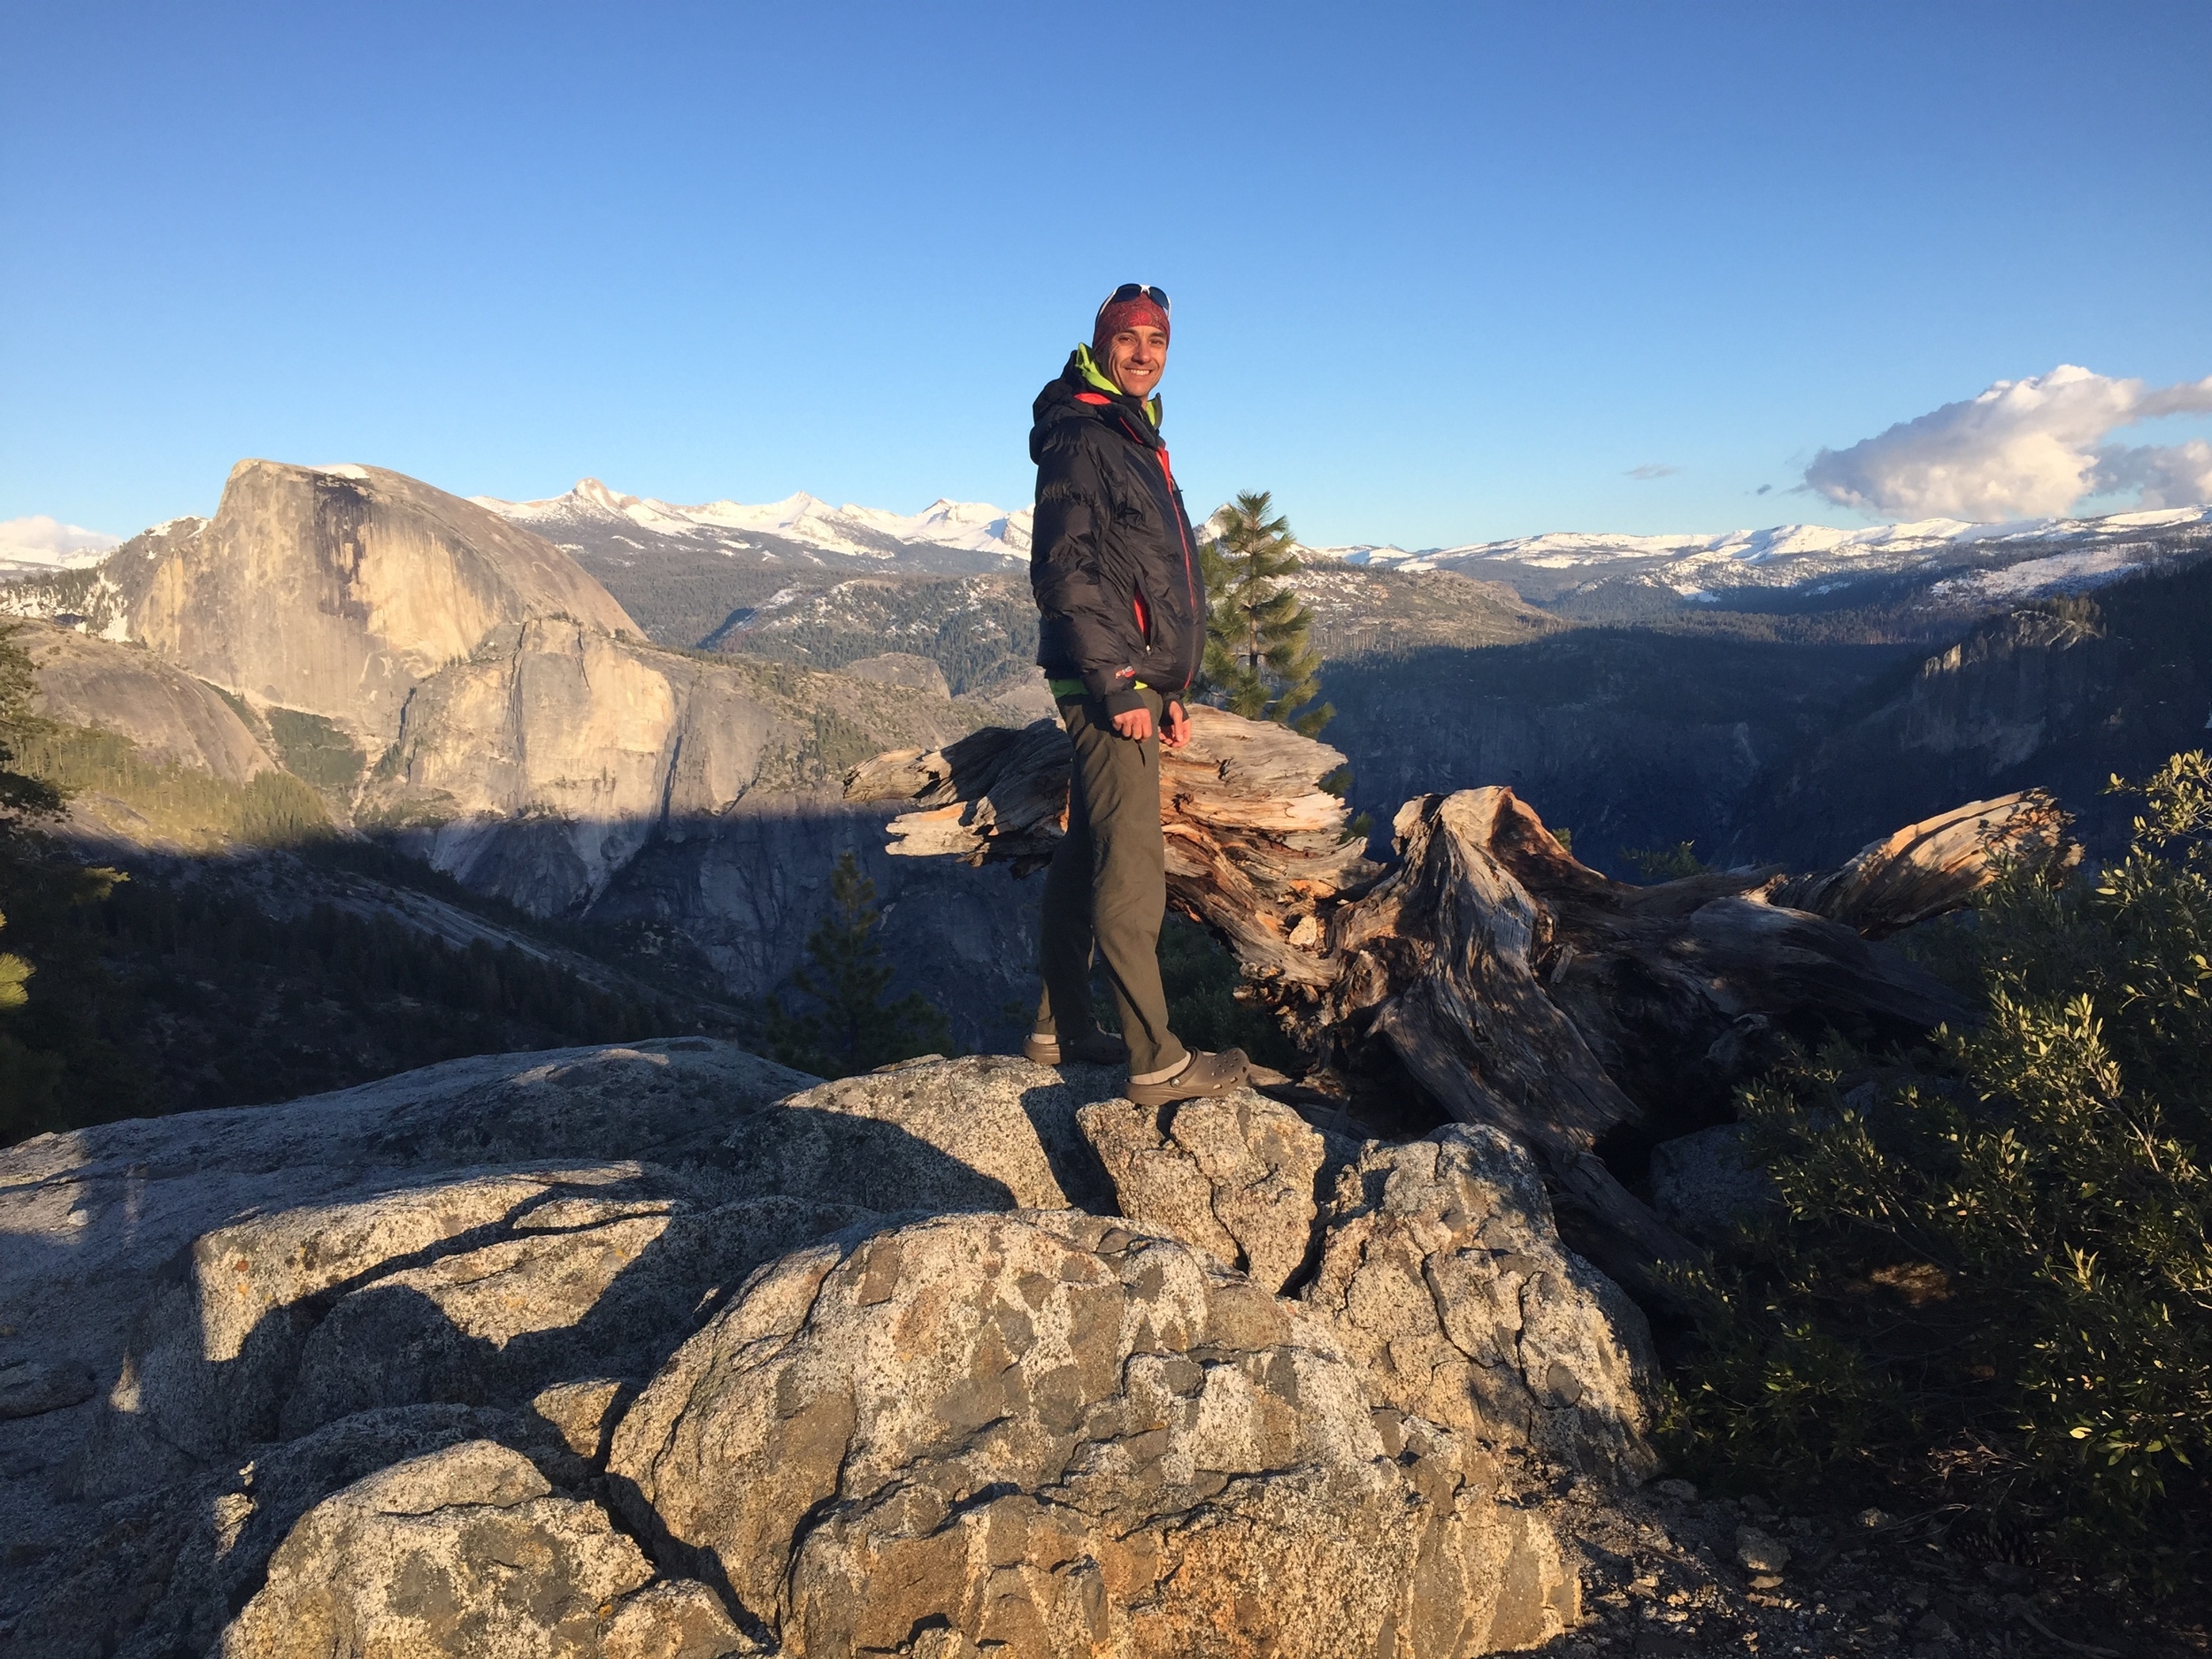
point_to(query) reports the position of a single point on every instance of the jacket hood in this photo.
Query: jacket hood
(1082, 391)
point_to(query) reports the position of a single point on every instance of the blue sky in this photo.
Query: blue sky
(1442, 272)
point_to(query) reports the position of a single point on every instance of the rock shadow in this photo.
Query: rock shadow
(584, 1281)
(802, 1152)
(1050, 1108)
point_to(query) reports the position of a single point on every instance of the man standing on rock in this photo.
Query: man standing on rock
(1114, 568)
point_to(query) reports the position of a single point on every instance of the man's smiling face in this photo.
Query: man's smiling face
(1136, 358)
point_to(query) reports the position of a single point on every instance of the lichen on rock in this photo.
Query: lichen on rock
(1047, 1430)
(468, 1551)
(1443, 1275)
(1233, 1175)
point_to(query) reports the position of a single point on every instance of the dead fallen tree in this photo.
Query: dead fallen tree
(1517, 985)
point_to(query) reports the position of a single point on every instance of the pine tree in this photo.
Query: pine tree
(21, 797)
(1260, 660)
(849, 1027)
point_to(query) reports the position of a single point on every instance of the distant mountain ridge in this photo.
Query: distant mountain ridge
(1994, 561)
(946, 537)
(803, 535)
(36, 545)
(726, 573)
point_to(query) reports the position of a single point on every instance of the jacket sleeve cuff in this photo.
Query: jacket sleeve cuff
(1127, 702)
(1101, 682)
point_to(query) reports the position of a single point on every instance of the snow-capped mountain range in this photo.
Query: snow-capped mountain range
(1954, 560)
(1968, 561)
(946, 535)
(2001, 560)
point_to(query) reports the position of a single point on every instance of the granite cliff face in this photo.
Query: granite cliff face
(2059, 696)
(337, 590)
(2004, 690)
(543, 766)
(445, 678)
(170, 717)
(555, 722)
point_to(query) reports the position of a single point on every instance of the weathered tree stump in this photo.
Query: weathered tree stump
(1517, 985)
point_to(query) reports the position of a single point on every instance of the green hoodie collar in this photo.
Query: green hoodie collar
(1104, 382)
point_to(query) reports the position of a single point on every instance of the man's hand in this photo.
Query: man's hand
(1135, 724)
(1177, 731)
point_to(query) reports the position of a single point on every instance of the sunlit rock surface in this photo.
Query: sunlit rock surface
(665, 1350)
(1049, 1431)
(172, 719)
(1442, 1274)
(337, 590)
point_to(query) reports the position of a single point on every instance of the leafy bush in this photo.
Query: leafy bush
(1995, 1286)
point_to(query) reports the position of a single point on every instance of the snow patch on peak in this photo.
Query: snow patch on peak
(592, 491)
(1699, 566)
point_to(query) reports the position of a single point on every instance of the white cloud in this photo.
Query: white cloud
(2176, 475)
(1653, 469)
(39, 540)
(2024, 450)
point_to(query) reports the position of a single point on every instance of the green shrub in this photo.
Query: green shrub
(1666, 864)
(315, 751)
(1994, 1285)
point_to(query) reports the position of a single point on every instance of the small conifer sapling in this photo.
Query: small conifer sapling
(1260, 660)
(841, 1024)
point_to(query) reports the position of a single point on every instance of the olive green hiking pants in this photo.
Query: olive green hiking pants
(1106, 891)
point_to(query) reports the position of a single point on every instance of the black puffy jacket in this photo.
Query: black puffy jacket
(1113, 564)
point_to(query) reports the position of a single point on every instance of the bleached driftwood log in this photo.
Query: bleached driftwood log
(1517, 985)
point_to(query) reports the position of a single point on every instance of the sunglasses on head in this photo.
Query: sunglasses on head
(1137, 291)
